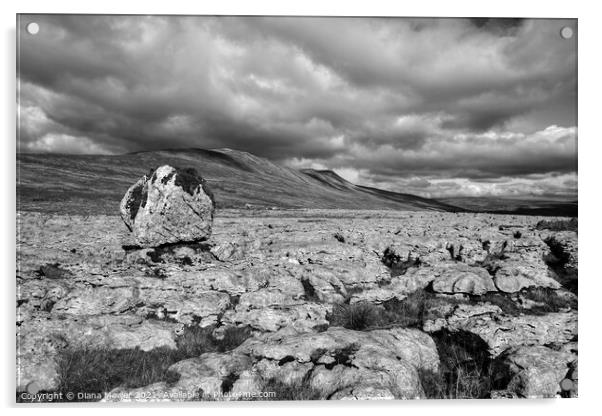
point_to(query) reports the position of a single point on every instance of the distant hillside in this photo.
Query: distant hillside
(94, 184)
(516, 206)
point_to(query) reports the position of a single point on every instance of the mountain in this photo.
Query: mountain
(95, 184)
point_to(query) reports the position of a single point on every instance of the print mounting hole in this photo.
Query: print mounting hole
(33, 28)
(566, 32)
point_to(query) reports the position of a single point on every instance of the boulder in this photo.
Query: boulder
(167, 206)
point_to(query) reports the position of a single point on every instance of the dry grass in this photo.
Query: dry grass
(466, 369)
(461, 384)
(357, 316)
(501, 300)
(410, 312)
(550, 300)
(102, 370)
(558, 225)
(301, 390)
(423, 305)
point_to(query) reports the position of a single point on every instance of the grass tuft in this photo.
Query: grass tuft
(99, 371)
(357, 316)
(409, 312)
(397, 265)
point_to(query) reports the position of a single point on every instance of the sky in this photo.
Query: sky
(433, 107)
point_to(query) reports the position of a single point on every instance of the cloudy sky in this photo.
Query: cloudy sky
(435, 107)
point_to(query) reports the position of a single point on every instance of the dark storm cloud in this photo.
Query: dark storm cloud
(500, 25)
(411, 100)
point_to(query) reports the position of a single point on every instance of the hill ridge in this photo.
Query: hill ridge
(94, 184)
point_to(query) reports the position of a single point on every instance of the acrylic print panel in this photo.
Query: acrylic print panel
(296, 208)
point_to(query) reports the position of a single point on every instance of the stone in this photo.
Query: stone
(227, 251)
(537, 371)
(414, 279)
(301, 316)
(168, 206)
(377, 295)
(573, 375)
(364, 392)
(205, 305)
(501, 331)
(96, 301)
(503, 394)
(446, 278)
(514, 275)
(460, 278)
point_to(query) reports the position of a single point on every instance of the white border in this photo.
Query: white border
(590, 111)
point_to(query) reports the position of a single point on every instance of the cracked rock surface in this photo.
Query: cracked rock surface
(85, 282)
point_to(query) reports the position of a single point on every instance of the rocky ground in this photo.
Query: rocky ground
(334, 304)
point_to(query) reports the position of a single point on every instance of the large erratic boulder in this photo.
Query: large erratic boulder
(169, 205)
